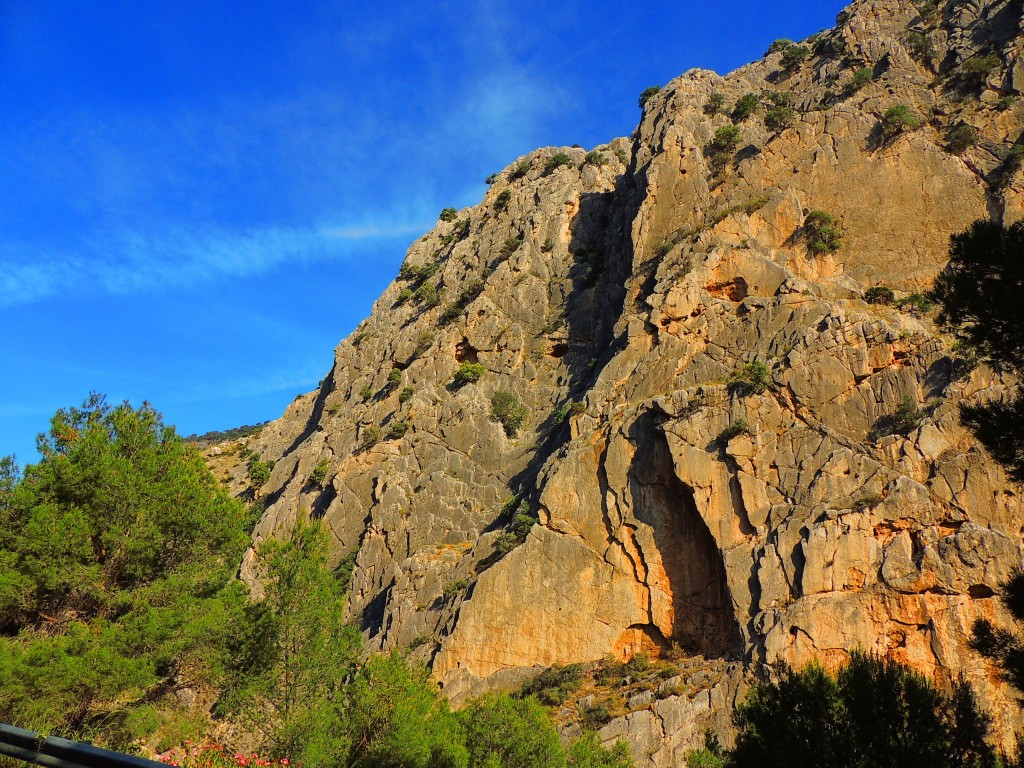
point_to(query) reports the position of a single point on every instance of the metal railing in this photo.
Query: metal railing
(61, 753)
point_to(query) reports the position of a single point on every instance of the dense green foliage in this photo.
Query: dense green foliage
(898, 119)
(116, 551)
(469, 373)
(822, 233)
(979, 293)
(725, 141)
(646, 95)
(557, 160)
(751, 379)
(872, 714)
(794, 55)
(506, 408)
(746, 105)
(879, 294)
(860, 78)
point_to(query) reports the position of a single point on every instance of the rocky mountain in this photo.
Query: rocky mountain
(656, 398)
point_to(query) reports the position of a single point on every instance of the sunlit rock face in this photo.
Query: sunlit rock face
(617, 296)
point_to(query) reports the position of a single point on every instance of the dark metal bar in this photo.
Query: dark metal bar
(55, 752)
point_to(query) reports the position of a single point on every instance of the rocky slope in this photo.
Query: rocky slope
(651, 500)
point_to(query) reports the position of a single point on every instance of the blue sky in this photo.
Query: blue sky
(199, 200)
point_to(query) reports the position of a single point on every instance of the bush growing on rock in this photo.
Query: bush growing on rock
(506, 408)
(794, 55)
(746, 105)
(469, 373)
(752, 379)
(860, 78)
(556, 161)
(779, 118)
(726, 140)
(502, 200)
(371, 436)
(897, 120)
(595, 158)
(974, 72)
(319, 473)
(448, 214)
(646, 95)
(822, 232)
(879, 294)
(714, 103)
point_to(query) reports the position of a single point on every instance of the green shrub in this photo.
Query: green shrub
(714, 103)
(1004, 103)
(556, 161)
(366, 393)
(646, 95)
(781, 44)
(519, 170)
(469, 373)
(726, 140)
(898, 119)
(397, 430)
(566, 409)
(961, 138)
(491, 179)
(424, 342)
(595, 158)
(319, 473)
(549, 245)
(1009, 167)
(426, 294)
(259, 471)
(779, 118)
(455, 588)
(448, 214)
(879, 294)
(822, 232)
(371, 436)
(918, 302)
(404, 295)
(510, 246)
(554, 685)
(974, 72)
(860, 78)
(794, 55)
(394, 377)
(502, 200)
(506, 408)
(406, 394)
(780, 98)
(473, 289)
(753, 379)
(738, 427)
(746, 105)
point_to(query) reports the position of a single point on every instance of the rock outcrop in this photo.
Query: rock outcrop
(725, 450)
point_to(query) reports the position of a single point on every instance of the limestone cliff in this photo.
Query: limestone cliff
(680, 494)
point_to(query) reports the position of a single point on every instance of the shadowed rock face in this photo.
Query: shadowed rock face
(672, 508)
(693, 573)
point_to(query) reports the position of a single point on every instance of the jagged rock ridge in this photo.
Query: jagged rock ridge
(613, 295)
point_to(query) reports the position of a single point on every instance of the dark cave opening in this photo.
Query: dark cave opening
(704, 619)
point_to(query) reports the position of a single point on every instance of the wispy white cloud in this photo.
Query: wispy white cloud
(128, 262)
(296, 380)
